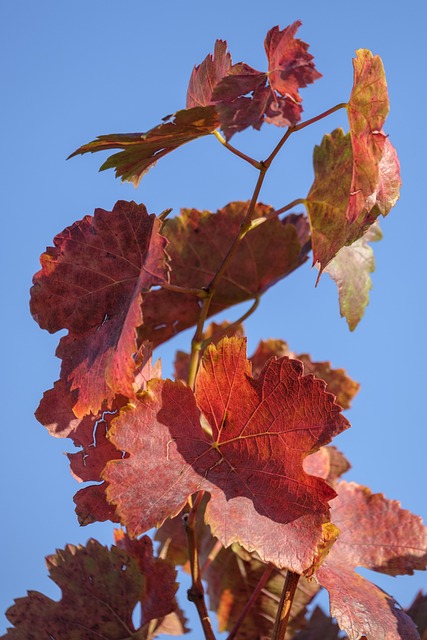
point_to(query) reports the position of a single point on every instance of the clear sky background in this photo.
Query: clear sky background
(75, 70)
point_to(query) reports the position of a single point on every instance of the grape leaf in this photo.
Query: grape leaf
(367, 110)
(206, 76)
(274, 95)
(100, 589)
(320, 627)
(198, 243)
(418, 613)
(251, 464)
(338, 383)
(328, 199)
(91, 283)
(142, 150)
(351, 269)
(378, 534)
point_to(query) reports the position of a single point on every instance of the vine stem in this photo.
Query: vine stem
(234, 324)
(236, 152)
(196, 593)
(284, 610)
(250, 603)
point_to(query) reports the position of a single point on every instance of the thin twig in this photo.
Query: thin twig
(238, 153)
(250, 603)
(288, 593)
(196, 593)
(200, 293)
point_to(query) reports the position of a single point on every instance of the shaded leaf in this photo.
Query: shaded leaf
(320, 627)
(206, 76)
(351, 269)
(198, 243)
(328, 199)
(100, 589)
(251, 464)
(142, 150)
(418, 613)
(338, 383)
(91, 283)
(378, 534)
(367, 110)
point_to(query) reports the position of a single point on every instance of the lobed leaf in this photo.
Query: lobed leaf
(141, 151)
(198, 243)
(100, 589)
(251, 463)
(274, 96)
(91, 283)
(378, 534)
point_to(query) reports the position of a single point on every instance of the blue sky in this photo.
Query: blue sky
(71, 71)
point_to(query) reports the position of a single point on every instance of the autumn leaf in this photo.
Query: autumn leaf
(206, 76)
(251, 463)
(199, 242)
(328, 201)
(418, 613)
(274, 96)
(367, 110)
(351, 269)
(141, 151)
(100, 589)
(337, 381)
(378, 534)
(91, 283)
(319, 627)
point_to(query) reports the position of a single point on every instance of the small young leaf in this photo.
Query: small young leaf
(274, 95)
(206, 76)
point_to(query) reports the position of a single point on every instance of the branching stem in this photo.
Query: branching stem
(236, 152)
(284, 610)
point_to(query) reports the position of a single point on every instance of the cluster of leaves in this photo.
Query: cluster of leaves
(240, 452)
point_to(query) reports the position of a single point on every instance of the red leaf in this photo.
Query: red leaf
(206, 76)
(367, 110)
(91, 283)
(198, 243)
(159, 584)
(328, 201)
(100, 589)
(274, 95)
(251, 464)
(338, 383)
(142, 150)
(290, 66)
(378, 534)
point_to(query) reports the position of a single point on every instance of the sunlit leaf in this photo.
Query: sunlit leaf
(142, 150)
(251, 465)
